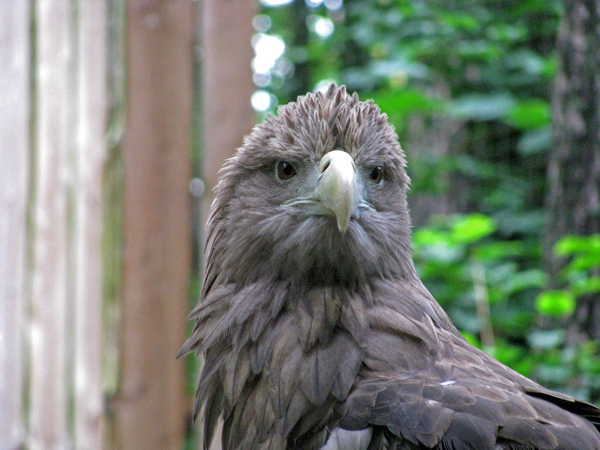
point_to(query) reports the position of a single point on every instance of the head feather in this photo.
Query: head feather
(306, 130)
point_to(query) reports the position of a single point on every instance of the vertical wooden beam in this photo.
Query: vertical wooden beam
(151, 407)
(88, 203)
(14, 192)
(48, 409)
(226, 82)
(226, 90)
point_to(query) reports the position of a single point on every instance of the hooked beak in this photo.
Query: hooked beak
(337, 188)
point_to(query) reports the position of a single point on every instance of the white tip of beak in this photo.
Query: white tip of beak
(338, 186)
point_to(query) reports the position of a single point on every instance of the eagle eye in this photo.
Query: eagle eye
(376, 174)
(285, 170)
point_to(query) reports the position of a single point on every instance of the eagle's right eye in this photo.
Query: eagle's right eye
(285, 170)
(376, 174)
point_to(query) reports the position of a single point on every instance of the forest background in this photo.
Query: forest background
(117, 116)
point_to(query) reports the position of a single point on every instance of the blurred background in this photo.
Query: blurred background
(115, 117)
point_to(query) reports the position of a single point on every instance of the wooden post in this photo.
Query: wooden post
(14, 193)
(226, 82)
(226, 90)
(88, 220)
(151, 407)
(49, 399)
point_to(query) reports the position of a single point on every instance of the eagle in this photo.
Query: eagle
(315, 329)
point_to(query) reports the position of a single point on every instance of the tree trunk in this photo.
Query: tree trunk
(574, 167)
(49, 350)
(14, 193)
(88, 220)
(151, 406)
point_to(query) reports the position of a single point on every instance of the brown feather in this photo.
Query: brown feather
(305, 330)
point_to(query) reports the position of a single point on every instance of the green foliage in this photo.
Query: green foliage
(557, 303)
(401, 103)
(472, 228)
(530, 115)
(527, 319)
(484, 71)
(585, 253)
(482, 107)
(445, 254)
(580, 275)
(485, 67)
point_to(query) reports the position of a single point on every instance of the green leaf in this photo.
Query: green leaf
(530, 115)
(441, 253)
(472, 228)
(430, 236)
(513, 356)
(535, 142)
(555, 374)
(494, 251)
(532, 278)
(506, 32)
(405, 101)
(459, 21)
(471, 339)
(478, 49)
(589, 285)
(526, 222)
(571, 244)
(555, 303)
(546, 339)
(481, 107)
(584, 262)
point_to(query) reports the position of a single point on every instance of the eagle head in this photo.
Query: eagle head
(318, 192)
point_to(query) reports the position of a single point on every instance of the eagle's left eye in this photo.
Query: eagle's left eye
(285, 170)
(376, 174)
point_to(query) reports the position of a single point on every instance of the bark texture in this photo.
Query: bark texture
(574, 166)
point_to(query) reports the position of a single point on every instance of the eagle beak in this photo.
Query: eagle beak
(337, 188)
